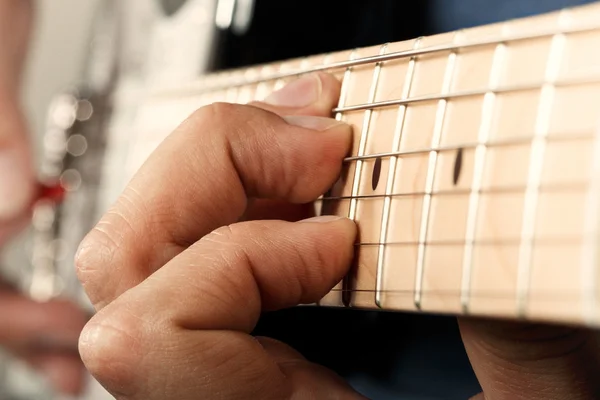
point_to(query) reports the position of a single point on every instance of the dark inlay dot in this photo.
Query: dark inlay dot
(458, 163)
(376, 173)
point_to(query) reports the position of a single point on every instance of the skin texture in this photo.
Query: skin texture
(45, 335)
(179, 292)
(204, 239)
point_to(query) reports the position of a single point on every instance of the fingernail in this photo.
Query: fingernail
(15, 187)
(316, 123)
(323, 219)
(299, 93)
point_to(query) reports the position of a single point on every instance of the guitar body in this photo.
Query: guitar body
(142, 81)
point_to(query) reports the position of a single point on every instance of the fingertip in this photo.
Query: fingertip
(299, 93)
(311, 94)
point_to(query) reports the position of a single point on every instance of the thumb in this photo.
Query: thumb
(514, 360)
(16, 172)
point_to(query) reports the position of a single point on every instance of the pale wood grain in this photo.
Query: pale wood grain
(530, 97)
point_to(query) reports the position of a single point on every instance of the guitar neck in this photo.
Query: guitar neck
(475, 172)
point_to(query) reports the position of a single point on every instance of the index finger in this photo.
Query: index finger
(201, 178)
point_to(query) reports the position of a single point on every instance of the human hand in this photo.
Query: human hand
(179, 283)
(17, 183)
(44, 335)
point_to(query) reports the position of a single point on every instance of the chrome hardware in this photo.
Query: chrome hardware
(64, 141)
(235, 15)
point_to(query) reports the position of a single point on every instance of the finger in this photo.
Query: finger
(208, 170)
(25, 324)
(524, 361)
(16, 172)
(314, 94)
(297, 98)
(65, 373)
(183, 333)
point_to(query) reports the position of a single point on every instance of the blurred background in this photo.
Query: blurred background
(57, 55)
(56, 61)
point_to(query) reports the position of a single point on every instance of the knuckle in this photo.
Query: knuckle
(96, 261)
(96, 251)
(215, 113)
(106, 248)
(111, 349)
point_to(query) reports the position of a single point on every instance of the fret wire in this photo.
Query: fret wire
(344, 90)
(474, 145)
(339, 116)
(398, 134)
(489, 101)
(431, 170)
(362, 148)
(305, 61)
(570, 240)
(500, 190)
(261, 88)
(202, 86)
(536, 167)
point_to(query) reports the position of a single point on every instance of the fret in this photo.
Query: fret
(265, 87)
(564, 239)
(536, 170)
(426, 208)
(334, 298)
(477, 182)
(444, 130)
(385, 219)
(356, 181)
(344, 89)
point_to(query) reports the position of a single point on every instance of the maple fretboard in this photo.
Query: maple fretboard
(475, 173)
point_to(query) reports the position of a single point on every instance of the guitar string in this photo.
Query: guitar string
(550, 188)
(540, 296)
(542, 241)
(578, 81)
(430, 98)
(203, 84)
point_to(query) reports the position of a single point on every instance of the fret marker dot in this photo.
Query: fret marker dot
(458, 163)
(376, 173)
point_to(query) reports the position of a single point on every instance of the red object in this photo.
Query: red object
(54, 193)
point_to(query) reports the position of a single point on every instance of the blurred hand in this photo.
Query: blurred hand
(45, 335)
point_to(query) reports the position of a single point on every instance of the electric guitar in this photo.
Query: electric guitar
(474, 176)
